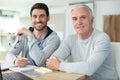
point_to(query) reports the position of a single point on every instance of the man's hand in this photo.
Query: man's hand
(21, 62)
(53, 63)
(24, 31)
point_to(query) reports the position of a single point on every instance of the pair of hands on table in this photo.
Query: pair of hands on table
(54, 63)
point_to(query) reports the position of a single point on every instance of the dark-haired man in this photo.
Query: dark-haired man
(36, 44)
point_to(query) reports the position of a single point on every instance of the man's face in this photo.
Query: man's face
(82, 21)
(39, 19)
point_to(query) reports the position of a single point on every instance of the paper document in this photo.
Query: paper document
(43, 70)
(21, 69)
(5, 65)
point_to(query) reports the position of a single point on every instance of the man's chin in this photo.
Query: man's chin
(39, 28)
(80, 32)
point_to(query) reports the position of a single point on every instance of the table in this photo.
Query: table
(57, 75)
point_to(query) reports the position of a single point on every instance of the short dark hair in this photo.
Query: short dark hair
(40, 6)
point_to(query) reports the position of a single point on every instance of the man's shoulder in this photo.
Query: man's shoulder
(53, 36)
(98, 33)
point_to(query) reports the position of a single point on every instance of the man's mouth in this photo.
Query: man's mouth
(80, 27)
(38, 24)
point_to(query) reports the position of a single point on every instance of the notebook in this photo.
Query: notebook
(22, 69)
(13, 76)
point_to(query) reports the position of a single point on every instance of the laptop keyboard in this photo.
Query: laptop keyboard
(7, 77)
(15, 76)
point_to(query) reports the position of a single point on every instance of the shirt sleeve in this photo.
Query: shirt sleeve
(40, 53)
(15, 50)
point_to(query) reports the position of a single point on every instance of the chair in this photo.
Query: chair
(115, 46)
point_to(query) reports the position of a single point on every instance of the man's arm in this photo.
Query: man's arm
(40, 53)
(88, 66)
(14, 51)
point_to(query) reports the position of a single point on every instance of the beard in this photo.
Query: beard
(40, 28)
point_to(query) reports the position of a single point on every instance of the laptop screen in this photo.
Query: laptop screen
(0, 72)
(15, 75)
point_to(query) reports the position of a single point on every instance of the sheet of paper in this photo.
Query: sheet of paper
(43, 70)
(21, 69)
(5, 65)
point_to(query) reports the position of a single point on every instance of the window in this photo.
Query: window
(8, 27)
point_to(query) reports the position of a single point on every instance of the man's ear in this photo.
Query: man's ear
(48, 18)
(92, 20)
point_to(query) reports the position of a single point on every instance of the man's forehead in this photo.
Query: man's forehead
(79, 8)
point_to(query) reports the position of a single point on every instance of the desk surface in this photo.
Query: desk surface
(61, 76)
(56, 75)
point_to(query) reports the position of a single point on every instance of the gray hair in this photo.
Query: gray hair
(83, 6)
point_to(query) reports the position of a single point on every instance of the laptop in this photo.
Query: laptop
(13, 76)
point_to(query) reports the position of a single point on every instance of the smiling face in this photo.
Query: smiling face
(82, 21)
(39, 19)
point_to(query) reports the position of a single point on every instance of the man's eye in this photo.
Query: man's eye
(42, 16)
(83, 17)
(34, 16)
(74, 19)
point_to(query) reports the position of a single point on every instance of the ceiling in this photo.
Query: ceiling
(23, 6)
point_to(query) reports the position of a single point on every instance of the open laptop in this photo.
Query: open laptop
(13, 76)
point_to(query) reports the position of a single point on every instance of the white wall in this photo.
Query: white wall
(105, 8)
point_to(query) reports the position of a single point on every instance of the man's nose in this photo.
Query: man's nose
(79, 21)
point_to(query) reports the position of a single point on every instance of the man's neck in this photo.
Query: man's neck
(40, 34)
(86, 36)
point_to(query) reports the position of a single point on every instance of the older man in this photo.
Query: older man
(89, 48)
